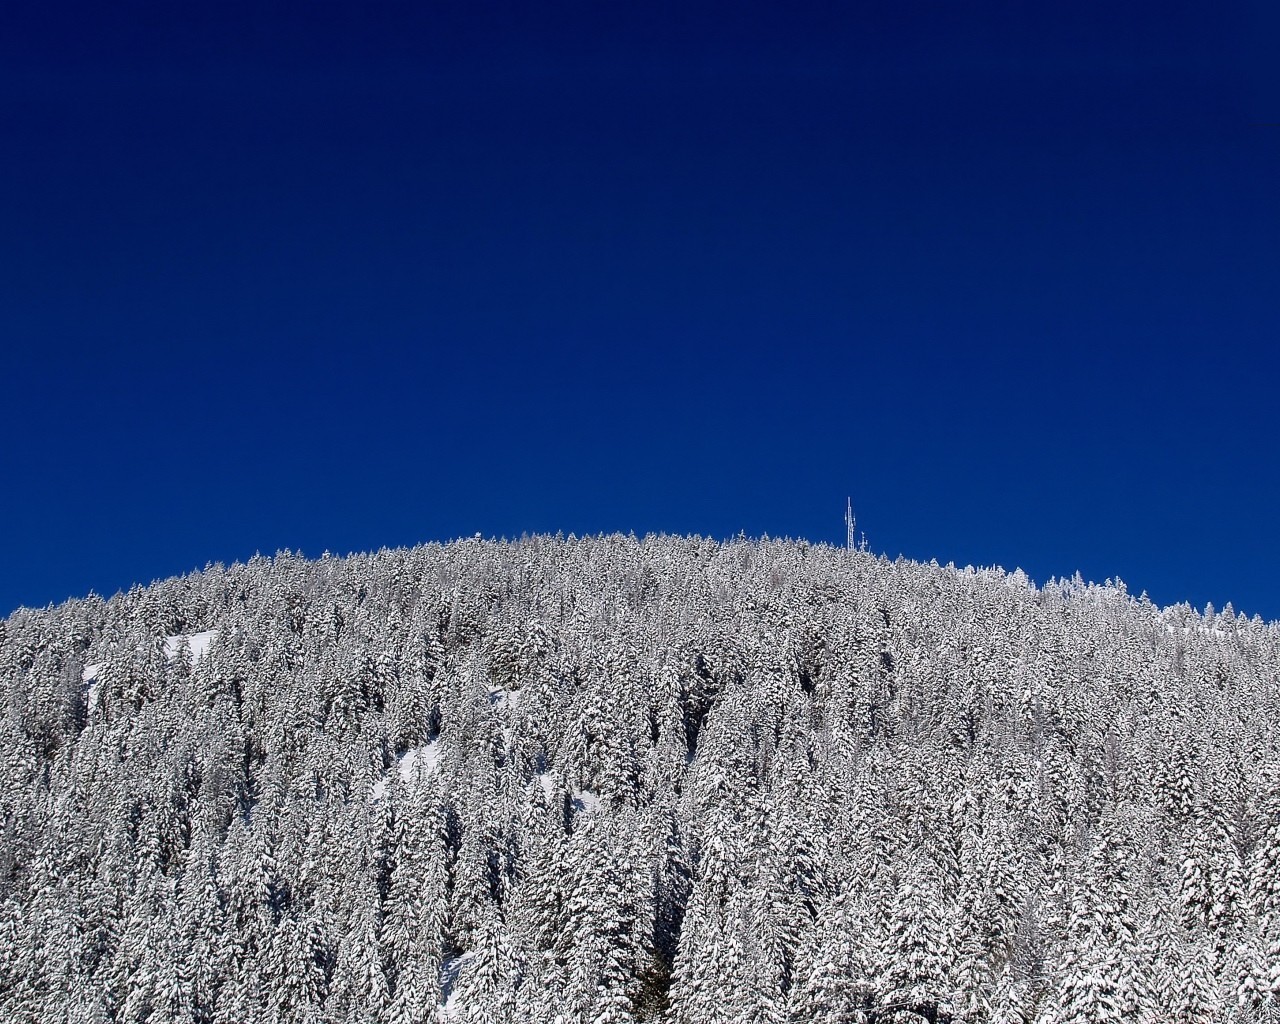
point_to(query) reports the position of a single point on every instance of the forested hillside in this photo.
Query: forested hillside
(603, 780)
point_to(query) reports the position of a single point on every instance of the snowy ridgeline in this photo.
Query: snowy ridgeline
(614, 780)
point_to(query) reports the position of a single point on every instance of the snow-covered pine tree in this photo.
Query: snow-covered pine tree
(640, 779)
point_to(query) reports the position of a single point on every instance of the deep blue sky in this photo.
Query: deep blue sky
(310, 276)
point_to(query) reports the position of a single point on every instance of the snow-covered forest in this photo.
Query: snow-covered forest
(608, 779)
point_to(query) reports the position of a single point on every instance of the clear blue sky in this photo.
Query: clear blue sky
(344, 276)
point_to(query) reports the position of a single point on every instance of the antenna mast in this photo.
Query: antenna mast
(849, 524)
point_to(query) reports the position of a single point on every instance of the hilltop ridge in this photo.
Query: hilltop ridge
(617, 779)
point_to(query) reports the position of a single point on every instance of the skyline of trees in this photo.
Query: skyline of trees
(609, 779)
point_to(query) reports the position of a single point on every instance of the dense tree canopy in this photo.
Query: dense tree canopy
(610, 779)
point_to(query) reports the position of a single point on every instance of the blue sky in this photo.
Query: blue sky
(337, 277)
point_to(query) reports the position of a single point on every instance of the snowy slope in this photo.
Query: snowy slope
(197, 643)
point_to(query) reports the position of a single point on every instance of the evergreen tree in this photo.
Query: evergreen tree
(612, 779)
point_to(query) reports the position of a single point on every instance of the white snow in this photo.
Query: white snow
(1203, 630)
(449, 970)
(430, 754)
(421, 759)
(585, 800)
(501, 698)
(427, 755)
(90, 676)
(498, 696)
(197, 643)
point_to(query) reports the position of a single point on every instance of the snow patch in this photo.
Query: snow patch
(499, 697)
(449, 971)
(90, 676)
(197, 643)
(415, 761)
(419, 760)
(1202, 630)
(430, 753)
(406, 765)
(585, 800)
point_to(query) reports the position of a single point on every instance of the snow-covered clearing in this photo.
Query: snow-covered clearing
(197, 643)
(413, 763)
(405, 765)
(90, 676)
(419, 760)
(585, 800)
(500, 697)
(429, 753)
(449, 971)
(505, 699)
